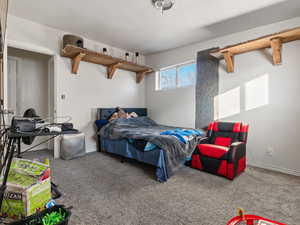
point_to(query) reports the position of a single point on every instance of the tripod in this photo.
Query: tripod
(5, 166)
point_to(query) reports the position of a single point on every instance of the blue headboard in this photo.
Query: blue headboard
(105, 113)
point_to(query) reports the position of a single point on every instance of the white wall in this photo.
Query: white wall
(175, 107)
(32, 81)
(86, 91)
(31, 85)
(274, 127)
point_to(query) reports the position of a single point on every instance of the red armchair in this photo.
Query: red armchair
(223, 150)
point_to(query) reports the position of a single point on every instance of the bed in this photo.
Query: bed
(160, 158)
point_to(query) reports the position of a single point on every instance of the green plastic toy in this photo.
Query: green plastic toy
(54, 218)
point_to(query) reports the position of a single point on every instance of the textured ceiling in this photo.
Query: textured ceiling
(136, 25)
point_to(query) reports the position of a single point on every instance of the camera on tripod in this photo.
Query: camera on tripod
(23, 124)
(27, 123)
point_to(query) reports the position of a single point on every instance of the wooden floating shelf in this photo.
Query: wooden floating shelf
(77, 55)
(273, 41)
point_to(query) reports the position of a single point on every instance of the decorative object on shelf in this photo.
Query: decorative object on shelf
(104, 51)
(126, 56)
(163, 5)
(273, 41)
(77, 54)
(70, 39)
(137, 57)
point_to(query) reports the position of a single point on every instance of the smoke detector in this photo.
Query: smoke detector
(163, 5)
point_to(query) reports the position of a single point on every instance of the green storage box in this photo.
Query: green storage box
(28, 189)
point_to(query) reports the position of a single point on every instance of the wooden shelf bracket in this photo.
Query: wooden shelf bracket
(141, 75)
(229, 59)
(76, 61)
(112, 69)
(273, 41)
(276, 45)
(77, 54)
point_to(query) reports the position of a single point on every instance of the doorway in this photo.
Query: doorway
(30, 84)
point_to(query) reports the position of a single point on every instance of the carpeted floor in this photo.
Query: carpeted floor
(104, 191)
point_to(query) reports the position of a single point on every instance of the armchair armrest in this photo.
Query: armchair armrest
(236, 151)
(201, 140)
(236, 144)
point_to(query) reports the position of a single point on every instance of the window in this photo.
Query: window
(168, 78)
(177, 76)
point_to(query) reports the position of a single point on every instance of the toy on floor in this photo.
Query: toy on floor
(251, 220)
(54, 218)
(50, 204)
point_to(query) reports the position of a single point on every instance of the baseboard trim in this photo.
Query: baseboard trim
(277, 169)
(91, 150)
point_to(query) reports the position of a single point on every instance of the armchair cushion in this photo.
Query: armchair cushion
(213, 151)
(223, 141)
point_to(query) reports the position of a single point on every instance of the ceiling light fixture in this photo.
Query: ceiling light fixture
(163, 5)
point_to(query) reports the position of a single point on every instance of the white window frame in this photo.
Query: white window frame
(177, 66)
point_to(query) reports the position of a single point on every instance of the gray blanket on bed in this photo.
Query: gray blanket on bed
(143, 128)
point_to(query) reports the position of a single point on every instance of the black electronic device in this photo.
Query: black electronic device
(67, 126)
(22, 124)
(27, 123)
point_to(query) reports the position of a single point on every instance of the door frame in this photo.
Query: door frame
(45, 51)
(51, 97)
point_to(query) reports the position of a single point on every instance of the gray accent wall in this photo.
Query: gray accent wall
(207, 87)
